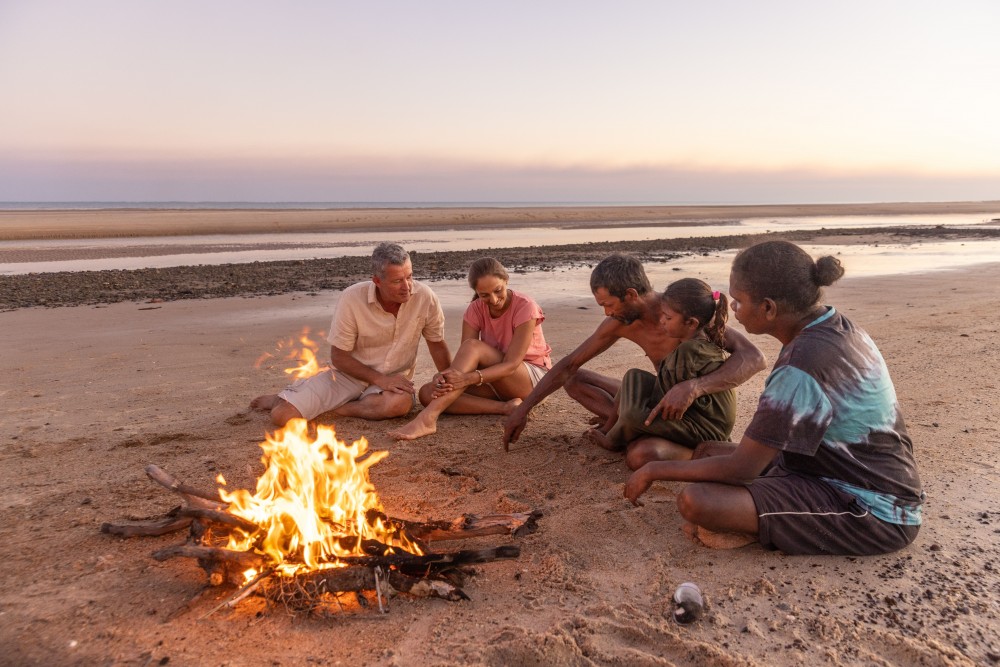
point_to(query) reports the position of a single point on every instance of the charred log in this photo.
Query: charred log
(170, 522)
(195, 497)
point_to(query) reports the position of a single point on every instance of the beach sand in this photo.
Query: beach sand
(95, 393)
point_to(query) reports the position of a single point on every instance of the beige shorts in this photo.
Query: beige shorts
(327, 390)
(536, 372)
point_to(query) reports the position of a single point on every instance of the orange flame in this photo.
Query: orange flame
(302, 350)
(313, 500)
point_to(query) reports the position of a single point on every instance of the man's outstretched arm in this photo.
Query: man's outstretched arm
(604, 337)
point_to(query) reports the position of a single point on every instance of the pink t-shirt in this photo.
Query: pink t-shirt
(499, 331)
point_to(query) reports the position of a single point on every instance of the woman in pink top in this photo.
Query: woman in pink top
(502, 357)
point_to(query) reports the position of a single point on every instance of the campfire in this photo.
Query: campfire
(315, 529)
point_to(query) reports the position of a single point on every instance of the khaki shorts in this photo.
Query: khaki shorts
(536, 373)
(327, 390)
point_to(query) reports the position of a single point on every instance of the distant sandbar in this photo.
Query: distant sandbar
(106, 223)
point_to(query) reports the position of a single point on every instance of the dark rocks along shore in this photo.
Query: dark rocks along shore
(313, 275)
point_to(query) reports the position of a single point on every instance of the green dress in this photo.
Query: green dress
(710, 417)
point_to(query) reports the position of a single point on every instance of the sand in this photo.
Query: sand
(140, 222)
(95, 393)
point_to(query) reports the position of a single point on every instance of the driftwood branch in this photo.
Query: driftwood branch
(223, 566)
(221, 516)
(244, 559)
(170, 522)
(356, 578)
(471, 525)
(195, 497)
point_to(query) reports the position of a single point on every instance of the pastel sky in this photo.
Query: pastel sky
(550, 100)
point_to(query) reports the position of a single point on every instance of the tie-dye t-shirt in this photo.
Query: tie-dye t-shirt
(830, 407)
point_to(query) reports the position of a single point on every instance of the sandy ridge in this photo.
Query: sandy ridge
(104, 223)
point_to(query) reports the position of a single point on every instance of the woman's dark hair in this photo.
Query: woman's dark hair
(786, 273)
(617, 273)
(694, 298)
(485, 266)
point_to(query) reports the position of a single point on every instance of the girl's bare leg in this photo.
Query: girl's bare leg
(650, 448)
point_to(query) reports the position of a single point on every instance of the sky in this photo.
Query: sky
(656, 101)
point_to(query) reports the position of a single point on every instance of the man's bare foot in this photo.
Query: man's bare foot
(510, 405)
(597, 437)
(417, 428)
(264, 403)
(709, 538)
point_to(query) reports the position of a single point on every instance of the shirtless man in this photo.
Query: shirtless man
(620, 286)
(373, 346)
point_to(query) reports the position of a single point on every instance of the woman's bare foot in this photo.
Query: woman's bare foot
(713, 540)
(264, 403)
(418, 428)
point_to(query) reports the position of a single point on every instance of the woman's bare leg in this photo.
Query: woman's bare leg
(720, 516)
(471, 355)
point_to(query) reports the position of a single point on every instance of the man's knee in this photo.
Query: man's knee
(389, 405)
(575, 386)
(284, 412)
(426, 394)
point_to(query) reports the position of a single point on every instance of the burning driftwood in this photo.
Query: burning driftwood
(315, 529)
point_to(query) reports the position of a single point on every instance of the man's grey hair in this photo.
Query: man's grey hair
(386, 253)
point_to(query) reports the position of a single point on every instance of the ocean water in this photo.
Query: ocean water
(22, 257)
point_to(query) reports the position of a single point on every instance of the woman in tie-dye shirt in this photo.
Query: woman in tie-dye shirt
(826, 464)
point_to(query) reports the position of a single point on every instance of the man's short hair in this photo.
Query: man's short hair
(618, 273)
(386, 253)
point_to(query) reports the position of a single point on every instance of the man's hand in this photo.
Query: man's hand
(676, 402)
(636, 485)
(397, 384)
(512, 427)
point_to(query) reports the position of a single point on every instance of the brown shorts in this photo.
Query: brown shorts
(799, 514)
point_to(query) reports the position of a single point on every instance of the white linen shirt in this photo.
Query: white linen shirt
(379, 340)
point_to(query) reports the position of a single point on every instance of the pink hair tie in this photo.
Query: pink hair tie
(716, 294)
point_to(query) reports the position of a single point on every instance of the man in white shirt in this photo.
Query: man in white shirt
(373, 340)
